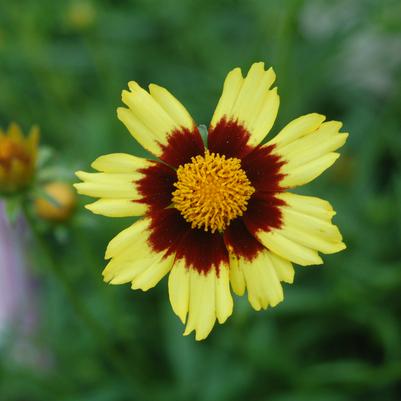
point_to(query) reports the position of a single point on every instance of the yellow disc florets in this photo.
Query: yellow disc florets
(212, 191)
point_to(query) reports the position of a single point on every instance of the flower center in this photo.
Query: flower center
(211, 191)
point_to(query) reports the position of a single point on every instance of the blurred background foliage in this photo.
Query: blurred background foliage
(337, 335)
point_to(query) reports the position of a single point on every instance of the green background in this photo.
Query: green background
(337, 335)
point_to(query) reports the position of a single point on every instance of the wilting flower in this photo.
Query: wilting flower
(17, 158)
(217, 215)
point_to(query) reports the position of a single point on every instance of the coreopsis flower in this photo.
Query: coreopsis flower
(18, 156)
(221, 213)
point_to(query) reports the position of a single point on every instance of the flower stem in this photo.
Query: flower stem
(81, 310)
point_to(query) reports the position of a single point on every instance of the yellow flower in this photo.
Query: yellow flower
(64, 202)
(17, 158)
(219, 216)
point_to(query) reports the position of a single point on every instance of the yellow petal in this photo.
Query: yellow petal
(171, 106)
(306, 154)
(308, 172)
(199, 298)
(266, 117)
(152, 117)
(262, 282)
(305, 222)
(122, 271)
(298, 128)
(109, 178)
(202, 304)
(105, 190)
(178, 289)
(307, 146)
(196, 288)
(153, 274)
(142, 134)
(306, 228)
(236, 276)
(309, 231)
(284, 269)
(249, 101)
(120, 163)
(313, 241)
(125, 238)
(232, 86)
(249, 95)
(308, 205)
(326, 135)
(148, 111)
(224, 300)
(117, 208)
(276, 242)
(308, 151)
(133, 260)
(116, 185)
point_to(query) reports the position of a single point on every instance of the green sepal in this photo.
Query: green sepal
(203, 132)
(38, 192)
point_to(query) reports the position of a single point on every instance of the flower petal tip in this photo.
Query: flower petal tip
(120, 111)
(153, 87)
(106, 277)
(107, 254)
(77, 186)
(341, 246)
(89, 206)
(133, 86)
(80, 174)
(187, 331)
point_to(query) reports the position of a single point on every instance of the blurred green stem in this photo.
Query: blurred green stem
(73, 298)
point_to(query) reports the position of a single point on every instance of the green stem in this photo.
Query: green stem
(81, 310)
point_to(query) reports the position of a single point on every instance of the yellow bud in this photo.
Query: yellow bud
(62, 208)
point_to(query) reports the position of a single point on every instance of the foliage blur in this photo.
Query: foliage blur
(337, 335)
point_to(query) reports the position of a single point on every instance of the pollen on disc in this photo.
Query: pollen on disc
(211, 191)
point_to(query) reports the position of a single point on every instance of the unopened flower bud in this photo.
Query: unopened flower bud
(62, 206)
